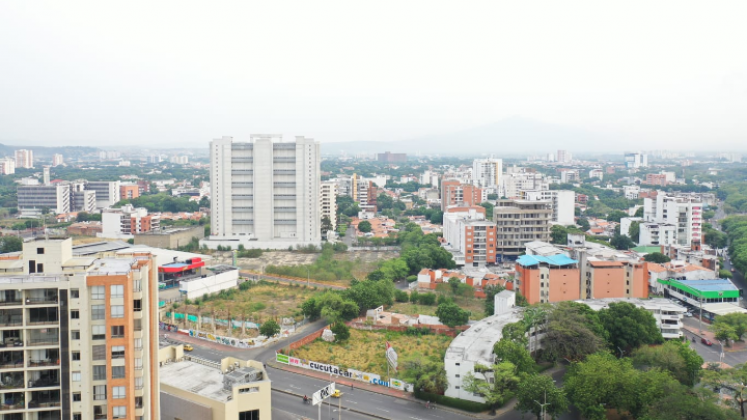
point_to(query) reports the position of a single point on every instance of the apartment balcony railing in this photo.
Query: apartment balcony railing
(46, 300)
(42, 341)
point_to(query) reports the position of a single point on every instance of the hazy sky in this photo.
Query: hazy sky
(660, 74)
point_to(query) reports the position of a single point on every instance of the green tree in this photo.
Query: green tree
(451, 315)
(10, 243)
(364, 226)
(621, 242)
(454, 283)
(675, 357)
(490, 292)
(629, 327)
(540, 388)
(569, 333)
(425, 374)
(683, 403)
(725, 274)
(326, 225)
(269, 328)
(515, 352)
(723, 332)
(639, 212)
(311, 309)
(656, 257)
(488, 209)
(82, 217)
(341, 331)
(583, 224)
(616, 215)
(736, 320)
(634, 231)
(505, 380)
(559, 235)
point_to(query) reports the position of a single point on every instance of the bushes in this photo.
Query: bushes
(465, 405)
(411, 279)
(401, 296)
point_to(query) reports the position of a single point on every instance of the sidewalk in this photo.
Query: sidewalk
(693, 328)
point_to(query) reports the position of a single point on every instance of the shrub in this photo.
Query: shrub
(414, 296)
(341, 331)
(427, 299)
(465, 405)
(401, 296)
(411, 279)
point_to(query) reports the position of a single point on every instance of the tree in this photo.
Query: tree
(634, 231)
(326, 225)
(583, 223)
(724, 332)
(311, 309)
(616, 215)
(505, 380)
(621, 242)
(451, 315)
(725, 274)
(569, 335)
(515, 352)
(10, 244)
(82, 217)
(540, 388)
(734, 379)
(425, 374)
(341, 331)
(269, 328)
(490, 292)
(454, 283)
(364, 226)
(629, 327)
(656, 257)
(559, 235)
(675, 357)
(737, 321)
(639, 212)
(683, 403)
(488, 209)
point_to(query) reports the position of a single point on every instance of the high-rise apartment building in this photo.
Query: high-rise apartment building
(328, 202)
(486, 173)
(392, 157)
(24, 158)
(79, 338)
(520, 222)
(680, 209)
(128, 191)
(636, 160)
(127, 221)
(107, 192)
(454, 193)
(265, 192)
(562, 202)
(518, 179)
(57, 160)
(7, 166)
(564, 156)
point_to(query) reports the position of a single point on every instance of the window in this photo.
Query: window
(138, 344)
(99, 372)
(137, 286)
(120, 412)
(138, 324)
(77, 416)
(118, 372)
(76, 356)
(138, 305)
(76, 396)
(75, 314)
(74, 293)
(249, 390)
(138, 364)
(98, 292)
(99, 392)
(139, 382)
(98, 312)
(118, 352)
(118, 331)
(40, 250)
(99, 352)
(117, 291)
(75, 335)
(118, 392)
(75, 376)
(99, 332)
(117, 311)
(40, 268)
(99, 411)
(249, 415)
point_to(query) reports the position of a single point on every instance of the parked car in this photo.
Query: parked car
(688, 314)
(706, 341)
(188, 347)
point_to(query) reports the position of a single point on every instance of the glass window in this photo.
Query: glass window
(117, 291)
(99, 352)
(118, 352)
(138, 305)
(75, 335)
(118, 392)
(99, 392)
(120, 412)
(118, 331)
(99, 332)
(117, 311)
(75, 314)
(76, 355)
(138, 344)
(75, 376)
(98, 312)
(77, 416)
(76, 396)
(138, 382)
(98, 292)
(249, 415)
(74, 293)
(118, 372)
(99, 372)
(138, 364)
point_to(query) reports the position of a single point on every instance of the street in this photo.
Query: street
(711, 353)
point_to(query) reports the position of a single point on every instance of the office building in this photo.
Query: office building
(392, 157)
(107, 192)
(636, 160)
(7, 166)
(562, 202)
(33, 199)
(127, 221)
(520, 222)
(265, 192)
(486, 173)
(455, 193)
(24, 158)
(57, 160)
(328, 202)
(78, 335)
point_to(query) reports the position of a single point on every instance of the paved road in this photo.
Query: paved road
(711, 353)
(293, 408)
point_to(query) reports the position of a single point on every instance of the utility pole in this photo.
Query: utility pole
(542, 407)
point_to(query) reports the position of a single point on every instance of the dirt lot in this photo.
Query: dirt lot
(295, 258)
(475, 306)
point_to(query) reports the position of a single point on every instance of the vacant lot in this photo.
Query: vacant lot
(476, 307)
(364, 350)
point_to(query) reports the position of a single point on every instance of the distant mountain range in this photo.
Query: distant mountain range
(509, 136)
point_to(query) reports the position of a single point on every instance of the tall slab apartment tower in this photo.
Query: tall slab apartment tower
(265, 192)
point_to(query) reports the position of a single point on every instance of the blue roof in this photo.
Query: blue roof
(719, 285)
(558, 260)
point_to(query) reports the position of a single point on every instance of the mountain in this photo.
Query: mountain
(509, 136)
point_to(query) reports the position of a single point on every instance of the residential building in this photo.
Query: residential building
(179, 160)
(652, 233)
(128, 191)
(635, 160)
(668, 315)
(392, 157)
(564, 156)
(517, 179)
(680, 209)
(198, 389)
(562, 203)
(57, 160)
(79, 334)
(469, 237)
(246, 177)
(455, 193)
(486, 173)
(569, 176)
(127, 221)
(631, 191)
(7, 166)
(328, 202)
(548, 279)
(626, 222)
(24, 158)
(596, 173)
(656, 179)
(520, 222)
(107, 192)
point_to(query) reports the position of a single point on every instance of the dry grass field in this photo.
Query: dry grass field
(364, 350)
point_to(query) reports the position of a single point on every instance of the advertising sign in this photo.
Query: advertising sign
(322, 394)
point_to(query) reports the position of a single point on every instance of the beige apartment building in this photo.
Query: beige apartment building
(519, 222)
(77, 334)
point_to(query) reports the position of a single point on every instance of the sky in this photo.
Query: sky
(656, 74)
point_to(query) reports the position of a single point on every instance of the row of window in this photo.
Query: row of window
(116, 291)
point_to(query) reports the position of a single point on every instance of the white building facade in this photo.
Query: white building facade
(328, 202)
(563, 204)
(486, 173)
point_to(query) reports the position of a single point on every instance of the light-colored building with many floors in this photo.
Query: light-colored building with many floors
(328, 202)
(562, 202)
(486, 173)
(519, 222)
(683, 210)
(77, 334)
(24, 158)
(265, 192)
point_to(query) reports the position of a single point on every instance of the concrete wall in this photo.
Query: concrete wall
(211, 284)
(170, 240)
(176, 407)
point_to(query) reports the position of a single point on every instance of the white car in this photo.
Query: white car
(688, 314)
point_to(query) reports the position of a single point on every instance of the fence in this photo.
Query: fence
(306, 340)
(359, 324)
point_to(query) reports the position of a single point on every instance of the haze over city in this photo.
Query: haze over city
(170, 74)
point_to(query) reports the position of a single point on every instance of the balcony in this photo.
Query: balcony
(11, 359)
(11, 317)
(11, 338)
(45, 399)
(50, 336)
(10, 297)
(12, 401)
(46, 415)
(43, 357)
(12, 380)
(41, 316)
(41, 297)
(44, 378)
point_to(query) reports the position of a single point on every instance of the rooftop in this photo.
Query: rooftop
(649, 304)
(97, 247)
(106, 266)
(194, 377)
(476, 343)
(719, 285)
(557, 260)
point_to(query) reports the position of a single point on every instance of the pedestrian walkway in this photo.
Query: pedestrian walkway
(693, 327)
